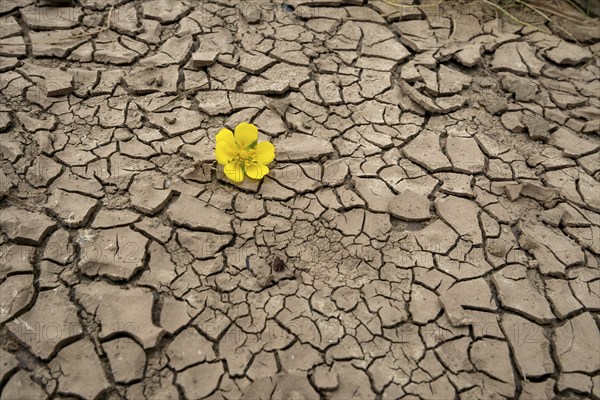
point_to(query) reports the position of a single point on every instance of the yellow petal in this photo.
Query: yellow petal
(245, 134)
(225, 135)
(265, 153)
(256, 170)
(233, 171)
(224, 152)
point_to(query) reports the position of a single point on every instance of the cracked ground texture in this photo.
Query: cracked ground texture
(435, 201)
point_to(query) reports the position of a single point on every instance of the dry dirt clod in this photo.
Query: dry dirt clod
(429, 228)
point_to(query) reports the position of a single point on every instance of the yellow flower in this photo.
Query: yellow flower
(241, 153)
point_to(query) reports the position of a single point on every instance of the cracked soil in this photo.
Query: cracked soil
(430, 228)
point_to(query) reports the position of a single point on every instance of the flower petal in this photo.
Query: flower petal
(225, 135)
(256, 170)
(265, 152)
(233, 171)
(245, 134)
(224, 152)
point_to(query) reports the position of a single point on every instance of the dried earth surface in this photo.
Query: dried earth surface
(435, 199)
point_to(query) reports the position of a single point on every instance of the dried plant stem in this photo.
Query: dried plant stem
(103, 29)
(547, 18)
(558, 13)
(496, 6)
(534, 9)
(517, 20)
(393, 3)
(578, 7)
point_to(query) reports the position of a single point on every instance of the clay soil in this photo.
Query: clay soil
(434, 204)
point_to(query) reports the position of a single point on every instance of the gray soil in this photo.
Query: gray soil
(435, 201)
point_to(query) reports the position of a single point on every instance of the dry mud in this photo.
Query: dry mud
(435, 199)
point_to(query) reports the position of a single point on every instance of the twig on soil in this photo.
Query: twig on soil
(392, 3)
(547, 18)
(103, 29)
(181, 95)
(576, 6)
(508, 14)
(534, 9)
(537, 11)
(497, 7)
(551, 10)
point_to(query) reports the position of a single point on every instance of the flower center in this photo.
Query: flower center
(245, 154)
